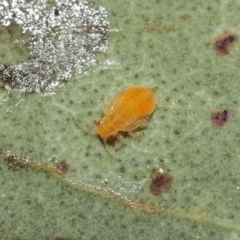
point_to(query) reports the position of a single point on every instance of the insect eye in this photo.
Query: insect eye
(97, 122)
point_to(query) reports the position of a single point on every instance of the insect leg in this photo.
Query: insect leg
(110, 152)
(119, 143)
(136, 134)
(145, 122)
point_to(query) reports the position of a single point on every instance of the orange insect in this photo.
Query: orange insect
(129, 110)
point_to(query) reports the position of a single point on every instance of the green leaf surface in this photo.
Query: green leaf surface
(59, 182)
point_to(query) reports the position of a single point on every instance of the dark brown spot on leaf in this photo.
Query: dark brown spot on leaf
(224, 43)
(220, 118)
(160, 183)
(61, 167)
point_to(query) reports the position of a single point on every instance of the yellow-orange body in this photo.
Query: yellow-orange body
(127, 111)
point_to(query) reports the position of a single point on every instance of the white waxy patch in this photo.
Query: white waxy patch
(64, 40)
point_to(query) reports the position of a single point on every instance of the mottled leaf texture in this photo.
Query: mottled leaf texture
(61, 63)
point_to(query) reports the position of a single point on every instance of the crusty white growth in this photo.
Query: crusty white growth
(65, 36)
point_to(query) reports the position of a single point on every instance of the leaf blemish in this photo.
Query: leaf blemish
(61, 167)
(160, 183)
(224, 43)
(220, 118)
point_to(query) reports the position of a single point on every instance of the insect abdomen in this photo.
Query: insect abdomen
(139, 102)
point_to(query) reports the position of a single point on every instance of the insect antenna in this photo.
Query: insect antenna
(82, 128)
(110, 152)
